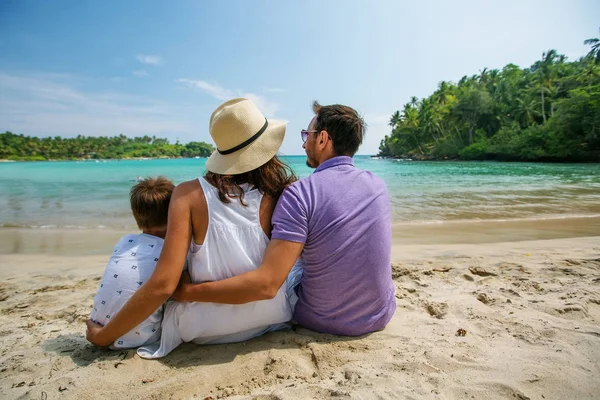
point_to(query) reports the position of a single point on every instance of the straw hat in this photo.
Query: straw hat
(245, 139)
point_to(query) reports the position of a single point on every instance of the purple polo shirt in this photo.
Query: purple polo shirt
(342, 215)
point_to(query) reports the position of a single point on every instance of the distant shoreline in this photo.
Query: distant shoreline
(101, 159)
(373, 157)
(427, 159)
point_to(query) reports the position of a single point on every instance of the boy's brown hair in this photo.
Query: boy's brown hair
(149, 200)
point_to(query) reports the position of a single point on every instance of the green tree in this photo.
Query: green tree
(20, 147)
(594, 53)
(472, 105)
(546, 112)
(544, 71)
(395, 119)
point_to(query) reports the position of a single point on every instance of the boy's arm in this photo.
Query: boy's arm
(152, 294)
(260, 284)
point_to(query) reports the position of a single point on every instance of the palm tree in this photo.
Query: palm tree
(552, 92)
(483, 76)
(545, 76)
(409, 125)
(443, 89)
(395, 119)
(594, 53)
(528, 110)
(410, 115)
(473, 104)
(590, 71)
(429, 119)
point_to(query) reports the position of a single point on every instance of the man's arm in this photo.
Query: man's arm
(164, 279)
(260, 284)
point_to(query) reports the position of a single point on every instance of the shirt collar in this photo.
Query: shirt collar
(334, 162)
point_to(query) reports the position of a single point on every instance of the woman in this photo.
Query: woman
(226, 216)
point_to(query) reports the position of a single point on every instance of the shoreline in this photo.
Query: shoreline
(495, 231)
(100, 241)
(509, 160)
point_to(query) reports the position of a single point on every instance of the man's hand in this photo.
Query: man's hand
(184, 281)
(92, 333)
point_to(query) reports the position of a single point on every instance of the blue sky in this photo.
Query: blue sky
(160, 68)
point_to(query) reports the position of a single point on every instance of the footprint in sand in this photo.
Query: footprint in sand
(481, 272)
(398, 271)
(574, 310)
(6, 289)
(485, 299)
(570, 311)
(437, 310)
(510, 267)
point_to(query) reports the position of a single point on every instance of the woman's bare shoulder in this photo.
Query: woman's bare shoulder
(268, 202)
(188, 188)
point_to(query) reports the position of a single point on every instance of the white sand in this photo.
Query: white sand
(532, 331)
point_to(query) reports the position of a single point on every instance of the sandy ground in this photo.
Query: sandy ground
(516, 320)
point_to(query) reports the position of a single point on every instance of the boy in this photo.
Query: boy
(134, 259)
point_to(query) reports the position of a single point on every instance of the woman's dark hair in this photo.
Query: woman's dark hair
(270, 178)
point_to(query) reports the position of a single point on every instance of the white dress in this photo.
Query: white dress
(234, 244)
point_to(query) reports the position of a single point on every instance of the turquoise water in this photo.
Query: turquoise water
(92, 194)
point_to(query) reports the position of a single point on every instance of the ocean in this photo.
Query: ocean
(94, 194)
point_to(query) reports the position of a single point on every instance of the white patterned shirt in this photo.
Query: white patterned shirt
(131, 264)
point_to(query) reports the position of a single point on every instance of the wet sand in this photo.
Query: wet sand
(495, 231)
(101, 241)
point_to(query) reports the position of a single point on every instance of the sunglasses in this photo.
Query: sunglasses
(304, 134)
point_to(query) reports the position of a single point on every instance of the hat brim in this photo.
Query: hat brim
(252, 156)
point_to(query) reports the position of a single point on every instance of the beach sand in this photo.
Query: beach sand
(492, 320)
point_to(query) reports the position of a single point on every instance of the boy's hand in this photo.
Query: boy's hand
(179, 294)
(92, 333)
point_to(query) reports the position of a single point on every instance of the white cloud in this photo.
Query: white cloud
(211, 88)
(47, 105)
(150, 59)
(140, 73)
(274, 90)
(268, 108)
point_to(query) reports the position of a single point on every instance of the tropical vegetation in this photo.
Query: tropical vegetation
(547, 112)
(20, 147)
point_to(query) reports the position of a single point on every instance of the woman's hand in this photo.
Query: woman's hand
(93, 334)
(180, 292)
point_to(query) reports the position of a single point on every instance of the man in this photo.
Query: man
(338, 219)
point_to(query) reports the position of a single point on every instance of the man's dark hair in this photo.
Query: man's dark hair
(345, 127)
